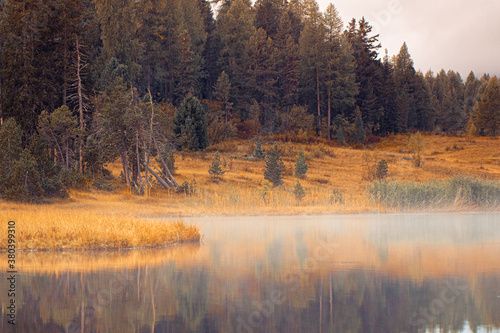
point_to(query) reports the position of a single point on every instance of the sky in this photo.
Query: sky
(460, 35)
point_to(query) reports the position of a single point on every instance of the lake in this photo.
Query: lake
(344, 273)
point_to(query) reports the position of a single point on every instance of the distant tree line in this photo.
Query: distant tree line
(84, 82)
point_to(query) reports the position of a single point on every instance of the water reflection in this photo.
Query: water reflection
(381, 273)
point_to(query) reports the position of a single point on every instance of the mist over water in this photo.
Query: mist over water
(349, 273)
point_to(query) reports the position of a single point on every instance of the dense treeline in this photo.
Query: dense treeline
(84, 82)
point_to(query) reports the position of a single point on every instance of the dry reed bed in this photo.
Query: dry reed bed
(47, 228)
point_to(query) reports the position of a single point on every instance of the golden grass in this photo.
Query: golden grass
(330, 168)
(46, 227)
(94, 219)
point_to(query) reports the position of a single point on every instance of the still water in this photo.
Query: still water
(362, 273)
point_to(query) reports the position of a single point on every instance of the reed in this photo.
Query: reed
(44, 228)
(455, 192)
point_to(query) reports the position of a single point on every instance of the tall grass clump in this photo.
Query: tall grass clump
(458, 191)
(46, 229)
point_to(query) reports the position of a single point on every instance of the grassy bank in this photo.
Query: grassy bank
(458, 192)
(456, 174)
(46, 228)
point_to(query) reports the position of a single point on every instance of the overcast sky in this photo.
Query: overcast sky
(460, 35)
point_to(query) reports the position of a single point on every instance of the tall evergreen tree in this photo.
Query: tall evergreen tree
(340, 68)
(274, 166)
(263, 76)
(287, 64)
(268, 14)
(389, 121)
(190, 123)
(221, 93)
(27, 57)
(404, 78)
(120, 23)
(471, 93)
(487, 110)
(235, 26)
(312, 53)
(368, 71)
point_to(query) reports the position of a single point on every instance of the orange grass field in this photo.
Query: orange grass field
(240, 191)
(99, 219)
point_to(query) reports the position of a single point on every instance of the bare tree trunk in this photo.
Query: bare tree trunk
(161, 180)
(80, 106)
(59, 150)
(65, 67)
(1, 115)
(329, 114)
(67, 155)
(148, 148)
(317, 97)
(125, 167)
(138, 160)
(167, 170)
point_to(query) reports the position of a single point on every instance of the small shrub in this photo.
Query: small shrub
(274, 166)
(258, 153)
(382, 169)
(373, 139)
(215, 169)
(369, 166)
(416, 146)
(189, 188)
(455, 147)
(301, 166)
(265, 190)
(102, 185)
(299, 192)
(337, 197)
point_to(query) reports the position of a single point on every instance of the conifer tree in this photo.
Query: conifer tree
(235, 25)
(11, 143)
(221, 94)
(368, 71)
(258, 153)
(287, 63)
(299, 192)
(381, 172)
(312, 52)
(301, 166)
(274, 166)
(262, 56)
(488, 109)
(360, 128)
(340, 133)
(215, 169)
(389, 121)
(184, 70)
(190, 123)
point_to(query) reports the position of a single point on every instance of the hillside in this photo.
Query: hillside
(240, 191)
